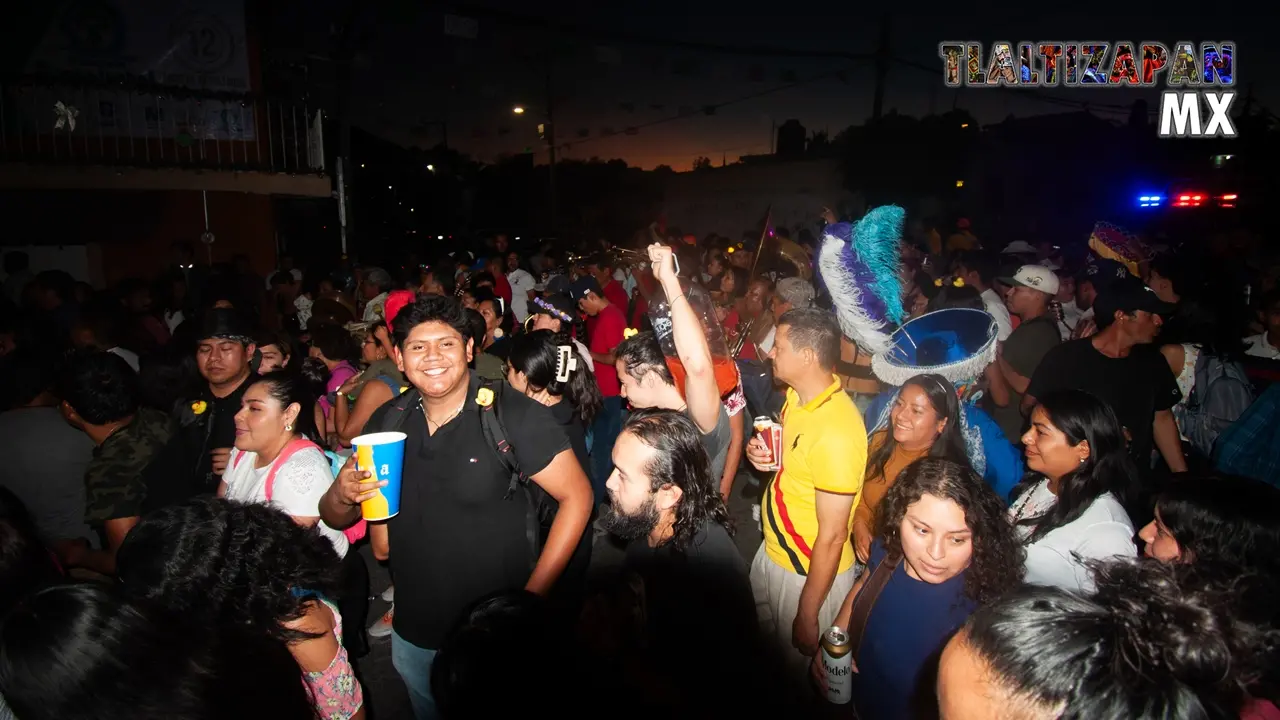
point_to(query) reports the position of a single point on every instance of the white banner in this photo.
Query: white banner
(196, 44)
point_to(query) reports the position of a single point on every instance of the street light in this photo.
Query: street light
(518, 110)
(431, 168)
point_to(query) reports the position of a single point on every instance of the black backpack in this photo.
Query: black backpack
(540, 510)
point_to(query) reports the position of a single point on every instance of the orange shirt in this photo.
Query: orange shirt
(876, 487)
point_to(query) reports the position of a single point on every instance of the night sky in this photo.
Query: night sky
(411, 75)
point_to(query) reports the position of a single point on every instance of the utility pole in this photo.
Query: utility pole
(882, 69)
(345, 58)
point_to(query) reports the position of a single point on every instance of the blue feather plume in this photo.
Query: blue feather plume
(859, 265)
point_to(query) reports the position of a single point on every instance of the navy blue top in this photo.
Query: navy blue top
(910, 623)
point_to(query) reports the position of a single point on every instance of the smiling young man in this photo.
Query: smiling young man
(459, 535)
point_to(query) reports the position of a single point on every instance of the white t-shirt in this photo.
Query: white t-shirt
(300, 483)
(1102, 531)
(521, 283)
(585, 354)
(766, 344)
(128, 356)
(996, 308)
(1257, 346)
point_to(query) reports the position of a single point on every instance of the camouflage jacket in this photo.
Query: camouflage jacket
(114, 484)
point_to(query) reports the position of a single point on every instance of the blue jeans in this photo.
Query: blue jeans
(414, 665)
(605, 429)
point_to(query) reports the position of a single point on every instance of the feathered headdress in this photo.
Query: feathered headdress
(859, 265)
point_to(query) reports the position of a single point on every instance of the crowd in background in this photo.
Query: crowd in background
(180, 533)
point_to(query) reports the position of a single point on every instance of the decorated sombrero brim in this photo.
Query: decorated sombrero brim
(1113, 242)
(956, 343)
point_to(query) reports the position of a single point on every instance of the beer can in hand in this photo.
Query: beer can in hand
(770, 432)
(837, 660)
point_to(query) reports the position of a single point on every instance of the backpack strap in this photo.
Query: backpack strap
(294, 446)
(489, 402)
(393, 419)
(496, 433)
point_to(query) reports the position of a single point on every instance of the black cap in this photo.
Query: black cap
(1103, 272)
(1128, 295)
(225, 324)
(582, 286)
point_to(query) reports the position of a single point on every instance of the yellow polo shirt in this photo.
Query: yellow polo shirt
(824, 448)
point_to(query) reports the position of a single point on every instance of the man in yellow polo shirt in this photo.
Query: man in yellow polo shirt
(805, 566)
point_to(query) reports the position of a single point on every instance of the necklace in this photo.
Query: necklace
(1022, 504)
(452, 415)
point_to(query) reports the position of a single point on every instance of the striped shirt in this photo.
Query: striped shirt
(824, 449)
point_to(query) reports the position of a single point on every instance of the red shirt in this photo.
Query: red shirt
(614, 293)
(606, 336)
(502, 289)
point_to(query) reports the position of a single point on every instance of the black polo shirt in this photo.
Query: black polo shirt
(457, 539)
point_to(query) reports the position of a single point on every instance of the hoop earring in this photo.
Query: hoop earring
(289, 428)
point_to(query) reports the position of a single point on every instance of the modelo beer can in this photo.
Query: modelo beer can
(837, 660)
(770, 431)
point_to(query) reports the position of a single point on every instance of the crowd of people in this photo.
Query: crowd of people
(1029, 483)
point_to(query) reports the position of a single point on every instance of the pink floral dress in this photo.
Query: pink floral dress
(336, 692)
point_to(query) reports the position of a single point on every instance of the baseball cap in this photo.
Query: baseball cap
(1129, 295)
(583, 285)
(1103, 272)
(1036, 277)
(1018, 247)
(796, 291)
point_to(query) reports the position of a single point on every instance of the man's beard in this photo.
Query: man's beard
(630, 527)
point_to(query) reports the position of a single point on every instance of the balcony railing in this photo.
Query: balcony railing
(46, 120)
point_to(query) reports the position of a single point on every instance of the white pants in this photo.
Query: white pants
(777, 594)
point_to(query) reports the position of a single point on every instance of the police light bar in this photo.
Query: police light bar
(1149, 200)
(1191, 199)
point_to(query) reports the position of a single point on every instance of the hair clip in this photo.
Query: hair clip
(937, 282)
(958, 282)
(566, 362)
(629, 332)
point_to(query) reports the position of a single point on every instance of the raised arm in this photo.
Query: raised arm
(700, 390)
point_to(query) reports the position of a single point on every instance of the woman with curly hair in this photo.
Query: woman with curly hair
(221, 563)
(942, 548)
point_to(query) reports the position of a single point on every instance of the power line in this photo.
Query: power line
(608, 33)
(708, 110)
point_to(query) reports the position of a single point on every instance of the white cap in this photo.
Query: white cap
(1018, 247)
(1036, 277)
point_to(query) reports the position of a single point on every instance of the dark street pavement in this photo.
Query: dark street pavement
(384, 693)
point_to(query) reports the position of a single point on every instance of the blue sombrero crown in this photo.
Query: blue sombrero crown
(956, 343)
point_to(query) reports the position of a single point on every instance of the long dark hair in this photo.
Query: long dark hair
(998, 560)
(680, 460)
(82, 652)
(220, 562)
(537, 355)
(1154, 641)
(1082, 417)
(1225, 521)
(950, 442)
(287, 387)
